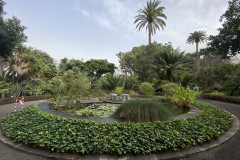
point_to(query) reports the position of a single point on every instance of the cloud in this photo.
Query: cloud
(85, 13)
(103, 20)
(76, 5)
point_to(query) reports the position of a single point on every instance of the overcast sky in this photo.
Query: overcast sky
(99, 29)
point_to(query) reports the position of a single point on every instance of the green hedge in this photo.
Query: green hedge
(230, 99)
(39, 129)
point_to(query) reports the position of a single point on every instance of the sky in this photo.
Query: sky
(99, 29)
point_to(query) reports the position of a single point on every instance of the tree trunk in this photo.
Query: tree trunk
(169, 73)
(124, 80)
(149, 33)
(197, 59)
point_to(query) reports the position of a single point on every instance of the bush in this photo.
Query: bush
(144, 111)
(133, 93)
(39, 129)
(183, 98)
(167, 87)
(147, 89)
(218, 93)
(230, 99)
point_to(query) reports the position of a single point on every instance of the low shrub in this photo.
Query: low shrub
(44, 130)
(145, 111)
(146, 89)
(182, 97)
(230, 99)
(167, 87)
(218, 93)
(133, 93)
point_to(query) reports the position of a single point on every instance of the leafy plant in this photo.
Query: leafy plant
(76, 86)
(182, 97)
(4, 87)
(119, 90)
(44, 130)
(147, 89)
(86, 112)
(16, 90)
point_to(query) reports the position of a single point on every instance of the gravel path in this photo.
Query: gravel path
(227, 151)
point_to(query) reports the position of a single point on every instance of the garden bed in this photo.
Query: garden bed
(39, 129)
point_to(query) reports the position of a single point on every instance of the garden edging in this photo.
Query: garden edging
(165, 155)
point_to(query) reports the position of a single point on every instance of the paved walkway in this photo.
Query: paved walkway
(227, 151)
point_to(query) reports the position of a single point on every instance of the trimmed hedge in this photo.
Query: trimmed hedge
(230, 99)
(40, 129)
(26, 98)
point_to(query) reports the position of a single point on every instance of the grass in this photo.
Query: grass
(146, 111)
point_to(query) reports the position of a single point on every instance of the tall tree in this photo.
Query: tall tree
(197, 37)
(227, 42)
(97, 67)
(11, 33)
(151, 16)
(28, 63)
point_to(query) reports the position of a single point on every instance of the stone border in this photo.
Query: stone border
(160, 156)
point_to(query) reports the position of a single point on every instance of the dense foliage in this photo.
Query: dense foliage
(226, 43)
(182, 97)
(146, 89)
(39, 129)
(11, 33)
(145, 111)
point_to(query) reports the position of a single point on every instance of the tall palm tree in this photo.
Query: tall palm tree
(197, 37)
(151, 16)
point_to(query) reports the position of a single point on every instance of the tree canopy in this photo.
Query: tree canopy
(226, 43)
(11, 34)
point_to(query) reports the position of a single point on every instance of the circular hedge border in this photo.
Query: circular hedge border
(44, 130)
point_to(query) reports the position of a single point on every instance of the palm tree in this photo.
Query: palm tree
(151, 17)
(197, 37)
